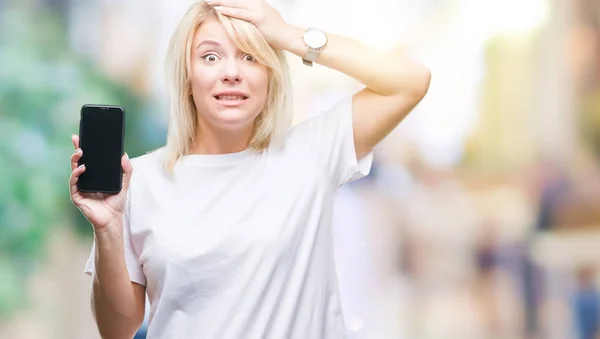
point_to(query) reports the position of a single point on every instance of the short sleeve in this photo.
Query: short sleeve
(136, 273)
(329, 140)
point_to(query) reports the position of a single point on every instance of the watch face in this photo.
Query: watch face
(315, 38)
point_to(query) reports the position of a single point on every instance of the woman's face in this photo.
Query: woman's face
(229, 87)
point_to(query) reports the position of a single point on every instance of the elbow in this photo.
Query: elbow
(416, 84)
(115, 325)
(422, 82)
(121, 328)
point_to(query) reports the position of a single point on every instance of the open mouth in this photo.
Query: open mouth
(230, 97)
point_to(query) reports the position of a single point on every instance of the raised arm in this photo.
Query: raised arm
(394, 85)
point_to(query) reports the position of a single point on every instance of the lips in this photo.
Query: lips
(231, 98)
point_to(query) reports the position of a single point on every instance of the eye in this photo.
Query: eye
(211, 57)
(249, 57)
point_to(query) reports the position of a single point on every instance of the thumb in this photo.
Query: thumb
(127, 170)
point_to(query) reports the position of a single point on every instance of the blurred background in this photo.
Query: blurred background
(481, 218)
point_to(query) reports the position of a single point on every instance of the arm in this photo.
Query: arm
(117, 303)
(394, 85)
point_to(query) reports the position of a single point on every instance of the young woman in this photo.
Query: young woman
(227, 227)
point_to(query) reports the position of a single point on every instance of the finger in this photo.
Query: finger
(75, 158)
(75, 140)
(238, 13)
(228, 3)
(127, 170)
(74, 178)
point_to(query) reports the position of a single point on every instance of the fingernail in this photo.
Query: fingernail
(126, 156)
(218, 8)
(81, 166)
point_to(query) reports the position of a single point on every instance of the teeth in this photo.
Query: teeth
(229, 97)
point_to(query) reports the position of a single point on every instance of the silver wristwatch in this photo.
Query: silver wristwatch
(315, 40)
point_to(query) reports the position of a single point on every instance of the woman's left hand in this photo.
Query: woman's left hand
(266, 18)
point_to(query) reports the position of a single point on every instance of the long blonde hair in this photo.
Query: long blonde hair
(274, 119)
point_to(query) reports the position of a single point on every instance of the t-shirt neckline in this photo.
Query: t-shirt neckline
(212, 160)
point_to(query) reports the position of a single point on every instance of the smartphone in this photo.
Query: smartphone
(101, 138)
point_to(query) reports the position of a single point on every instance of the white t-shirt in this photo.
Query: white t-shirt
(240, 245)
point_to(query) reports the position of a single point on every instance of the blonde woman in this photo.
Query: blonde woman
(227, 227)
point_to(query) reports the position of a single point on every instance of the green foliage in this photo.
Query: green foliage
(42, 87)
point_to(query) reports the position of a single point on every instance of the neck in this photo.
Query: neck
(220, 141)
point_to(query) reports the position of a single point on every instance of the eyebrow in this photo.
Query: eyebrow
(208, 42)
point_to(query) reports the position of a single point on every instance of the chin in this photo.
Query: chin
(233, 118)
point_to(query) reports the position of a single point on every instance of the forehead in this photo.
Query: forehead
(212, 29)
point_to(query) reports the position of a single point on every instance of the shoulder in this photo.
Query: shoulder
(148, 177)
(149, 159)
(147, 165)
(327, 111)
(321, 122)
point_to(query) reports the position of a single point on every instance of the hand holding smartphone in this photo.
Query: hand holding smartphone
(100, 171)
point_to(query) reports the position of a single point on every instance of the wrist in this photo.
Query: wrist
(291, 39)
(113, 231)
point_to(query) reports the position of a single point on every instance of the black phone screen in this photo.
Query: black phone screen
(101, 135)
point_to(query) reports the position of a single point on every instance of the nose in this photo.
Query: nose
(231, 73)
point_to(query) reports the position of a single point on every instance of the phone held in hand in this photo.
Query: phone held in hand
(101, 138)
